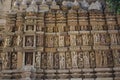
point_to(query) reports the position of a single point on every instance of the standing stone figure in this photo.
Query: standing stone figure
(62, 60)
(8, 42)
(38, 59)
(19, 40)
(74, 59)
(86, 59)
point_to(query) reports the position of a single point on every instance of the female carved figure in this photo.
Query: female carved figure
(19, 40)
(62, 60)
(38, 59)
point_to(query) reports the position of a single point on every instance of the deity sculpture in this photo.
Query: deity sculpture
(19, 40)
(29, 41)
(68, 60)
(85, 39)
(8, 41)
(73, 40)
(55, 41)
(49, 60)
(80, 60)
(113, 38)
(44, 61)
(56, 60)
(62, 60)
(39, 41)
(99, 58)
(86, 58)
(105, 59)
(38, 59)
(96, 38)
(92, 59)
(61, 40)
(74, 60)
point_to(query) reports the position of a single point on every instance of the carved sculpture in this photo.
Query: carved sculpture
(99, 58)
(56, 60)
(73, 40)
(86, 58)
(38, 59)
(74, 60)
(80, 60)
(68, 60)
(61, 40)
(113, 38)
(62, 60)
(29, 41)
(85, 39)
(19, 40)
(50, 60)
(8, 41)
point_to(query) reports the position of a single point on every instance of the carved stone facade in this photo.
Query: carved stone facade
(61, 44)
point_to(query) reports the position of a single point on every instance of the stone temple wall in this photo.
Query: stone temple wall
(60, 44)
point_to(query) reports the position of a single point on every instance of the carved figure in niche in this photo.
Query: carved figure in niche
(14, 60)
(61, 40)
(56, 60)
(109, 58)
(99, 58)
(38, 59)
(103, 38)
(19, 40)
(5, 60)
(67, 40)
(55, 41)
(92, 59)
(39, 40)
(44, 61)
(113, 38)
(86, 59)
(29, 58)
(30, 27)
(85, 39)
(61, 28)
(62, 60)
(73, 40)
(96, 38)
(74, 59)
(79, 40)
(116, 57)
(8, 41)
(118, 38)
(80, 59)
(49, 60)
(84, 27)
(72, 28)
(68, 60)
(50, 41)
(105, 58)
(29, 41)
